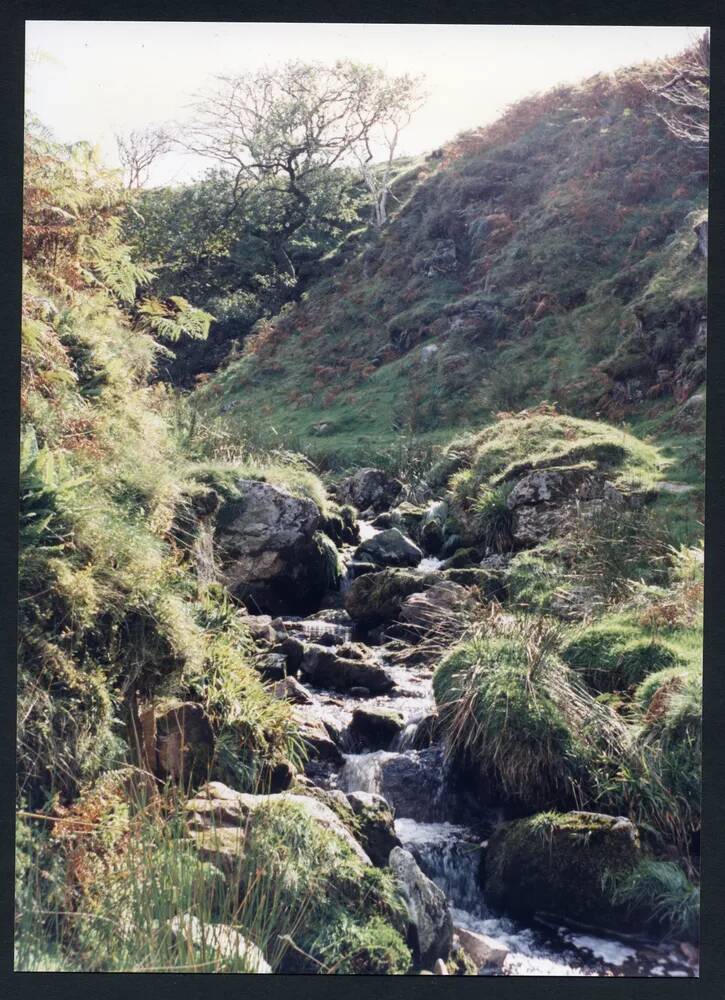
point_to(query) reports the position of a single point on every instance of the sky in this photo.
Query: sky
(90, 79)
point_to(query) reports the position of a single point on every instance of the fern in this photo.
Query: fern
(174, 317)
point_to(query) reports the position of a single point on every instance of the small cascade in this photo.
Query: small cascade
(315, 628)
(448, 854)
(363, 772)
(430, 564)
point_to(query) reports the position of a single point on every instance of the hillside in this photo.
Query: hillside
(550, 256)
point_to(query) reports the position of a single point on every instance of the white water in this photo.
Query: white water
(430, 564)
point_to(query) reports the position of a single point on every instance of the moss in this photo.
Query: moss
(345, 915)
(534, 579)
(559, 864)
(613, 657)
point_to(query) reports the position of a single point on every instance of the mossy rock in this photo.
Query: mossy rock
(376, 597)
(613, 658)
(561, 864)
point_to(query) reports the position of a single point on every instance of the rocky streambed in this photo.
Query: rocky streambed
(359, 611)
(375, 745)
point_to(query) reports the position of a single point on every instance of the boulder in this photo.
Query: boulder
(486, 954)
(374, 825)
(432, 528)
(273, 666)
(408, 517)
(389, 548)
(422, 610)
(270, 551)
(316, 736)
(557, 864)
(293, 649)
(384, 520)
(222, 942)
(290, 689)
(241, 805)
(370, 488)
(178, 742)
(325, 668)
(260, 628)
(430, 923)
(377, 597)
(375, 728)
(533, 526)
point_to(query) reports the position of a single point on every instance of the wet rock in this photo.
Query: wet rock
(375, 728)
(413, 782)
(325, 668)
(359, 692)
(352, 650)
(431, 927)
(269, 548)
(290, 689)
(556, 863)
(439, 969)
(178, 742)
(333, 617)
(273, 666)
(487, 956)
(377, 597)
(408, 517)
(389, 548)
(280, 776)
(375, 826)
(293, 649)
(370, 488)
(320, 744)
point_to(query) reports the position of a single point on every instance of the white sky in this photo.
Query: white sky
(97, 77)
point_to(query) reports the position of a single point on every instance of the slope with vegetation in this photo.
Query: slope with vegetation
(548, 256)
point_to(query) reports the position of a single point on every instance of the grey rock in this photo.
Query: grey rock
(486, 954)
(224, 942)
(375, 825)
(289, 689)
(389, 548)
(325, 668)
(370, 488)
(431, 926)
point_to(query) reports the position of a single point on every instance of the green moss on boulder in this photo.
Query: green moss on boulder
(377, 597)
(561, 864)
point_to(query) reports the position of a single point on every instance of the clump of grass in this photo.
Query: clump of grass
(510, 707)
(662, 893)
(493, 520)
(534, 579)
(614, 656)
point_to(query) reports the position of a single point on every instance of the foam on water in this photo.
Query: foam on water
(430, 564)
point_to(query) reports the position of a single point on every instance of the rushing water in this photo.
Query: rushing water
(414, 781)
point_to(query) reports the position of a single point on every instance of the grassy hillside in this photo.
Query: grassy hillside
(550, 256)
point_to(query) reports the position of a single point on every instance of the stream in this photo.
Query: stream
(434, 823)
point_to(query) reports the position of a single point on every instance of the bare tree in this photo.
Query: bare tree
(283, 127)
(139, 149)
(683, 101)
